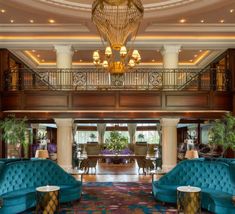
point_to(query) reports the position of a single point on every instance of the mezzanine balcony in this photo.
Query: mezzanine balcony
(139, 79)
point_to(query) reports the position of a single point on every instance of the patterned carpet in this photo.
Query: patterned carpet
(116, 198)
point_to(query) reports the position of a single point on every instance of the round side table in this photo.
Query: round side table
(189, 199)
(47, 198)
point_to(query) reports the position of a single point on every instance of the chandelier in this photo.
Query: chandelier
(117, 22)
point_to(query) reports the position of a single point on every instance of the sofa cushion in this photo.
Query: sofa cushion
(21, 199)
(219, 198)
(165, 192)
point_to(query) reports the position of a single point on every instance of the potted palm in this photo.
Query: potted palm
(15, 132)
(92, 137)
(222, 133)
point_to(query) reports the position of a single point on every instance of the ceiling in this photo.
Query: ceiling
(204, 29)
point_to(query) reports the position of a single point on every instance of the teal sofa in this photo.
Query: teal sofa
(216, 178)
(19, 180)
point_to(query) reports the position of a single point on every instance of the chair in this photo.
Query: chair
(91, 162)
(143, 163)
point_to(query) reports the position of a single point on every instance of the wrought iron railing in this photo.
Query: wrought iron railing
(139, 79)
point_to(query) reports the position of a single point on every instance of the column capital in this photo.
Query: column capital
(35, 126)
(64, 122)
(169, 121)
(66, 49)
(170, 49)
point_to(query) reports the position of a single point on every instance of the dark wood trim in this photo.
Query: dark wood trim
(204, 115)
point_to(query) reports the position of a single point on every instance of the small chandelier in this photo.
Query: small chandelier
(115, 61)
(117, 21)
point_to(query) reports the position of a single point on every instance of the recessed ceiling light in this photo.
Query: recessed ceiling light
(195, 55)
(222, 21)
(231, 10)
(43, 60)
(33, 51)
(182, 20)
(51, 21)
(200, 51)
(38, 55)
(31, 21)
(12, 21)
(153, 60)
(3, 11)
(202, 21)
(190, 60)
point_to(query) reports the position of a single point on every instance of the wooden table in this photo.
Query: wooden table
(116, 155)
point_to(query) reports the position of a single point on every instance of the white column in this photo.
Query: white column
(101, 127)
(169, 142)
(170, 55)
(64, 56)
(64, 142)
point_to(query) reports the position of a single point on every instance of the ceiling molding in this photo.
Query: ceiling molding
(208, 59)
(9, 28)
(28, 61)
(147, 6)
(156, 27)
(91, 43)
(69, 4)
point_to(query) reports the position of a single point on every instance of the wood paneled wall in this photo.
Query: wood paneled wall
(116, 101)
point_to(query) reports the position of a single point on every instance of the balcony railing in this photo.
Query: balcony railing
(140, 79)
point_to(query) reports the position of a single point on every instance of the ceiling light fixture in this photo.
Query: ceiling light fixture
(3, 11)
(182, 20)
(202, 21)
(51, 21)
(31, 21)
(12, 21)
(231, 10)
(117, 22)
(222, 21)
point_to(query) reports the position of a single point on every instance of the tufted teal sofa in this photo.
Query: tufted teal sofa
(19, 179)
(216, 178)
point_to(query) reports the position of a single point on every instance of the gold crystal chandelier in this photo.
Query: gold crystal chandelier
(117, 22)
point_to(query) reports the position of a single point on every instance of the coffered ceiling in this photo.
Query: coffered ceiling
(31, 28)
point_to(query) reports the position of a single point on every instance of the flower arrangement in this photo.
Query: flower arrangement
(116, 142)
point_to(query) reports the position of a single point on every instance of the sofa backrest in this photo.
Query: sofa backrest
(33, 173)
(202, 173)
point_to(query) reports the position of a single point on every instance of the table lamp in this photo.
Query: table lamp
(191, 154)
(43, 154)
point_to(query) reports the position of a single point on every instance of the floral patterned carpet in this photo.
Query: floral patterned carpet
(116, 198)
